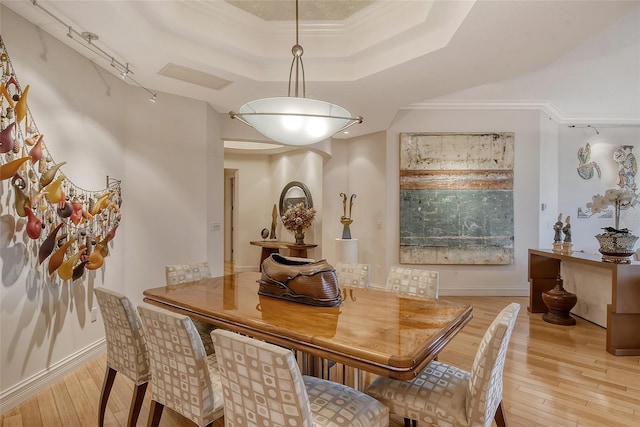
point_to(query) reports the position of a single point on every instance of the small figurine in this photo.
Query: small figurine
(566, 245)
(557, 238)
(567, 230)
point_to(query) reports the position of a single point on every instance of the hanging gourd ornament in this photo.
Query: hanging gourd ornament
(53, 191)
(64, 209)
(21, 199)
(8, 170)
(34, 224)
(96, 259)
(36, 150)
(49, 174)
(47, 246)
(7, 141)
(21, 105)
(102, 203)
(76, 215)
(65, 271)
(58, 256)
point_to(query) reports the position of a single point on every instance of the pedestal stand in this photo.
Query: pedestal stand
(347, 251)
(559, 302)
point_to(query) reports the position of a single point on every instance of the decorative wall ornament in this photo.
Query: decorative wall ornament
(627, 167)
(46, 213)
(456, 198)
(587, 167)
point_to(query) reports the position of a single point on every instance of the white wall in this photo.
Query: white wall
(357, 167)
(476, 279)
(170, 159)
(260, 180)
(252, 207)
(79, 109)
(576, 192)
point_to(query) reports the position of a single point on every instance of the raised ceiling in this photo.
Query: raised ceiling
(372, 57)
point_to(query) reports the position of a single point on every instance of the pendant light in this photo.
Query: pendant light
(295, 120)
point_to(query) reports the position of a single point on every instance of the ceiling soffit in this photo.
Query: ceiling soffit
(379, 36)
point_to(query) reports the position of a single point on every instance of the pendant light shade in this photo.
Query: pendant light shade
(295, 120)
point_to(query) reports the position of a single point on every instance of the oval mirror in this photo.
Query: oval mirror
(293, 193)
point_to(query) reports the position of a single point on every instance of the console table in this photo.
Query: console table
(622, 280)
(273, 246)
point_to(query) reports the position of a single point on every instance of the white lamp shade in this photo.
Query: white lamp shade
(295, 121)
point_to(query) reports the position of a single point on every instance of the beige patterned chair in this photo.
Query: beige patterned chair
(356, 275)
(177, 274)
(183, 377)
(126, 350)
(415, 282)
(443, 395)
(263, 386)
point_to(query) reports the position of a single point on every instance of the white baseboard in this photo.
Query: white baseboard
(484, 292)
(29, 387)
(243, 268)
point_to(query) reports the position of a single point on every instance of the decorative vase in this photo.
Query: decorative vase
(617, 247)
(299, 235)
(559, 303)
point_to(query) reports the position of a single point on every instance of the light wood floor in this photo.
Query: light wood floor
(554, 376)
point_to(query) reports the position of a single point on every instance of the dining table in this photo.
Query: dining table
(381, 332)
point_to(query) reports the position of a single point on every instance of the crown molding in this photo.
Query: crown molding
(545, 106)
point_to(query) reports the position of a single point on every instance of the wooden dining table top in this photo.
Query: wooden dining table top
(381, 332)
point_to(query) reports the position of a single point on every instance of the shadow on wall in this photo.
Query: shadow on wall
(46, 301)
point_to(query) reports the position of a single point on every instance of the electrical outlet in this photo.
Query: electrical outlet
(94, 314)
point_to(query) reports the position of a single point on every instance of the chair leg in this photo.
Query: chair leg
(109, 377)
(410, 423)
(501, 416)
(155, 413)
(136, 404)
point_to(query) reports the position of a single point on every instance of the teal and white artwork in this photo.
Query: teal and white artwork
(456, 198)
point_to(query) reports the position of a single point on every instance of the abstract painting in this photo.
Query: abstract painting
(456, 198)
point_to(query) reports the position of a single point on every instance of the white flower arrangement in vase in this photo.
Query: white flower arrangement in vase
(616, 245)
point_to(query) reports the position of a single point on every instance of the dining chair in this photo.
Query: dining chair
(263, 386)
(413, 281)
(177, 274)
(445, 395)
(126, 350)
(183, 377)
(353, 274)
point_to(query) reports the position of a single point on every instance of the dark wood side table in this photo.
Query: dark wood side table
(273, 246)
(623, 314)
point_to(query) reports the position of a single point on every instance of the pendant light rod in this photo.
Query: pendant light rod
(297, 63)
(295, 120)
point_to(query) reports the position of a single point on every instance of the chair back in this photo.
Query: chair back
(126, 345)
(412, 281)
(484, 392)
(262, 383)
(356, 275)
(181, 273)
(179, 366)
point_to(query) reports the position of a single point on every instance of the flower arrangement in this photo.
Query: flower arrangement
(619, 198)
(298, 217)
